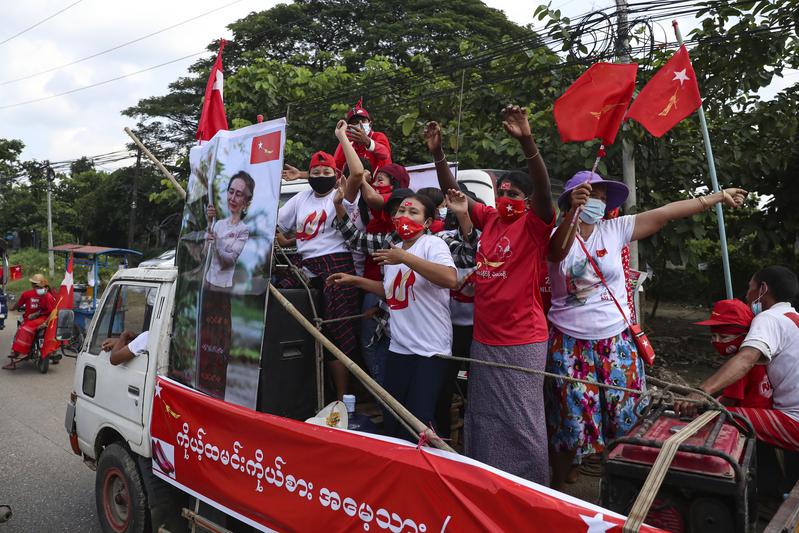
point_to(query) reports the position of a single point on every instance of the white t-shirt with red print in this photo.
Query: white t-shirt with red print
(775, 333)
(581, 305)
(310, 219)
(419, 309)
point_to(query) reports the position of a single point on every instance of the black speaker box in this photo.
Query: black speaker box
(287, 386)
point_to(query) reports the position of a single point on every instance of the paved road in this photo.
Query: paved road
(48, 487)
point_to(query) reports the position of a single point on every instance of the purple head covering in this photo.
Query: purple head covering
(617, 191)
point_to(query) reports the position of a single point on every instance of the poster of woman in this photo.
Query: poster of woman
(223, 261)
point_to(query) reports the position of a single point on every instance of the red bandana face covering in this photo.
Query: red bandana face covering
(509, 209)
(407, 228)
(726, 349)
(383, 189)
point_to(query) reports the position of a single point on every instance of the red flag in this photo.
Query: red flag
(671, 95)
(212, 118)
(594, 106)
(265, 148)
(64, 301)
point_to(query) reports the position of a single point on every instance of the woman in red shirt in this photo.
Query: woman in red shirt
(505, 425)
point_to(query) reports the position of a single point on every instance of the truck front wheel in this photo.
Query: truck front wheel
(119, 491)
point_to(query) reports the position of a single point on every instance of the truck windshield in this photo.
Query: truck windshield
(126, 308)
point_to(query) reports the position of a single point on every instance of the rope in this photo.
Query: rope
(659, 470)
(342, 319)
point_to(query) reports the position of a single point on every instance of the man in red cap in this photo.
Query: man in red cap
(729, 323)
(370, 145)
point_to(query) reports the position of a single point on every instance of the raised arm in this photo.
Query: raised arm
(516, 123)
(557, 251)
(446, 181)
(372, 198)
(354, 164)
(348, 280)
(457, 202)
(650, 222)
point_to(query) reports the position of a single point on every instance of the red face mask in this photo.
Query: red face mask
(383, 189)
(509, 209)
(726, 349)
(407, 228)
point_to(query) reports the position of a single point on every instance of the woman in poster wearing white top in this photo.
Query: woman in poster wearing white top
(417, 278)
(589, 338)
(225, 241)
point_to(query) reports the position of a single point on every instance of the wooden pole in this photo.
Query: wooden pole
(155, 160)
(389, 400)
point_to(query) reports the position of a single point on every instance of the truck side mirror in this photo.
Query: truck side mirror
(65, 325)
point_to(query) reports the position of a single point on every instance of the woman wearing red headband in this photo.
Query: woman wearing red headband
(505, 424)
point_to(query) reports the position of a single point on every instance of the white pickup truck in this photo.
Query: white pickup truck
(109, 409)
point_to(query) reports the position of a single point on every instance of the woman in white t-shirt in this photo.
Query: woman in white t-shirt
(416, 282)
(225, 241)
(309, 216)
(589, 338)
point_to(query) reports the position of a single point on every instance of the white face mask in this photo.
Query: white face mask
(41, 291)
(757, 305)
(442, 212)
(593, 211)
(366, 127)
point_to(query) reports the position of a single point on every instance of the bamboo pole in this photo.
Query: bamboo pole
(384, 396)
(155, 160)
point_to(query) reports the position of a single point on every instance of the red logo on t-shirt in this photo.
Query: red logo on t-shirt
(793, 317)
(400, 289)
(311, 226)
(601, 253)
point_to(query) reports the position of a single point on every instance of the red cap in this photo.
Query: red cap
(397, 172)
(357, 110)
(729, 313)
(322, 159)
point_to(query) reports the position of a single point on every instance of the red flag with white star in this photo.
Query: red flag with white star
(212, 118)
(64, 301)
(265, 148)
(593, 107)
(671, 95)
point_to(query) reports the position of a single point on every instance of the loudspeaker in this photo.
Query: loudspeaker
(287, 385)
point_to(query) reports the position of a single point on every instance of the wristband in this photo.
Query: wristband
(441, 160)
(536, 154)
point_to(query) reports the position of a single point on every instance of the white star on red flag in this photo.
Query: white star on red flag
(681, 76)
(158, 389)
(596, 523)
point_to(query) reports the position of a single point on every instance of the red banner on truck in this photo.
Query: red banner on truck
(285, 475)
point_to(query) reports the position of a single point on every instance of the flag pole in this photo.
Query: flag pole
(725, 256)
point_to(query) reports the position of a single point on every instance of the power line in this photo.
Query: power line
(29, 28)
(117, 47)
(43, 98)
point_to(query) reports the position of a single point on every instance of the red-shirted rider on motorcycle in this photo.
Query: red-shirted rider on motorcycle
(38, 303)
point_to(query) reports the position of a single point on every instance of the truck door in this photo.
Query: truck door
(118, 390)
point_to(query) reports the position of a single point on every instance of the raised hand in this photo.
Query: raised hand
(341, 130)
(357, 135)
(515, 122)
(432, 136)
(338, 196)
(734, 197)
(457, 202)
(580, 195)
(291, 173)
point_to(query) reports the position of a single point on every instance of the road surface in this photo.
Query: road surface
(48, 487)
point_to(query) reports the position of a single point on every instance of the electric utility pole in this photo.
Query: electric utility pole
(50, 175)
(627, 148)
(134, 195)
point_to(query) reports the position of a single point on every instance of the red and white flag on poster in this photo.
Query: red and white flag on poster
(277, 474)
(265, 148)
(212, 118)
(64, 301)
(593, 107)
(671, 95)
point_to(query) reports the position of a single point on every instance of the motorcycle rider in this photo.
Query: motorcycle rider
(38, 303)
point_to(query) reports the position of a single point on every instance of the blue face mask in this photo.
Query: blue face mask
(757, 305)
(593, 211)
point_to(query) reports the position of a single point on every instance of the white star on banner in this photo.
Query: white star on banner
(596, 523)
(157, 389)
(260, 145)
(219, 83)
(68, 281)
(681, 76)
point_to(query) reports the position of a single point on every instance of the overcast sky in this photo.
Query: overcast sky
(88, 122)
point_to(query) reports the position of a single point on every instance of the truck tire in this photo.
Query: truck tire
(165, 502)
(119, 492)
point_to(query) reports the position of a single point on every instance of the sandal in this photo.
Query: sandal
(11, 365)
